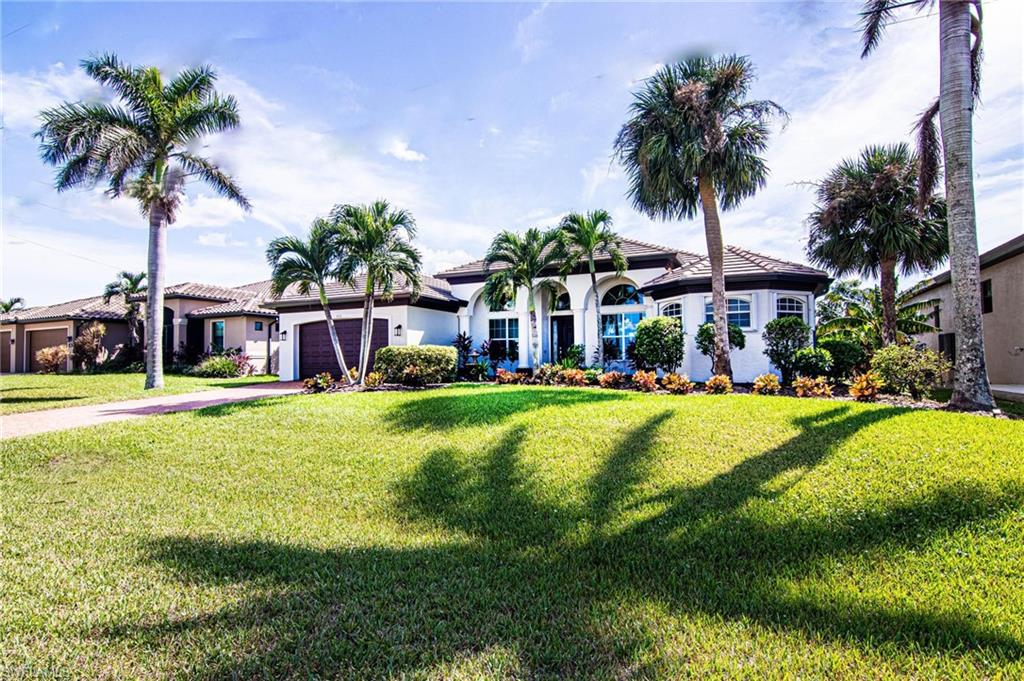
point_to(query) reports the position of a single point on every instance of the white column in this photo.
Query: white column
(579, 329)
(178, 333)
(524, 340)
(465, 322)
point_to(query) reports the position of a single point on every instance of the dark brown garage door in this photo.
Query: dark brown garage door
(37, 340)
(317, 355)
(5, 352)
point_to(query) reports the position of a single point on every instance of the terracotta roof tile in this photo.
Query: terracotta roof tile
(737, 262)
(80, 308)
(432, 288)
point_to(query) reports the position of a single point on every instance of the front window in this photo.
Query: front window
(217, 336)
(623, 294)
(672, 310)
(737, 312)
(618, 332)
(986, 296)
(259, 326)
(789, 307)
(504, 339)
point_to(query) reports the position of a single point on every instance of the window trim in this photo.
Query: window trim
(223, 334)
(747, 298)
(622, 343)
(506, 340)
(801, 315)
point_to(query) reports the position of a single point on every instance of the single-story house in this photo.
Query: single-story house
(197, 318)
(1002, 306)
(658, 281)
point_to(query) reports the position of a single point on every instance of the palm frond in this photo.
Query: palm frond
(210, 173)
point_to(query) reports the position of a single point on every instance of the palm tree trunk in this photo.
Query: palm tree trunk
(534, 336)
(364, 348)
(155, 298)
(597, 311)
(335, 343)
(971, 390)
(716, 256)
(887, 283)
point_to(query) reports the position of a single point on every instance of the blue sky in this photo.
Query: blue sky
(476, 117)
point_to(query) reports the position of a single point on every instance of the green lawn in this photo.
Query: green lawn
(517, 532)
(1010, 408)
(32, 392)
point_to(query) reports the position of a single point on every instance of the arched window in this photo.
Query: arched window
(562, 301)
(623, 294)
(789, 307)
(672, 310)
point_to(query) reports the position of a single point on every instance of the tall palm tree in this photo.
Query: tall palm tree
(11, 304)
(863, 319)
(376, 240)
(142, 146)
(693, 141)
(586, 236)
(959, 86)
(524, 260)
(867, 222)
(309, 263)
(128, 284)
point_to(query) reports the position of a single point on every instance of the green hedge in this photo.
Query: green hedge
(436, 363)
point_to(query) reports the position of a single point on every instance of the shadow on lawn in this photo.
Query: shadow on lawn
(39, 400)
(542, 580)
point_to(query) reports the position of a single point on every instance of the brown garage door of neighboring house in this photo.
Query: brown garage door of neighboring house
(5, 352)
(317, 355)
(37, 340)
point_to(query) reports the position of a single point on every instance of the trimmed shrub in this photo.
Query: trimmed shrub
(659, 344)
(612, 379)
(319, 383)
(374, 379)
(87, 348)
(506, 377)
(677, 384)
(573, 377)
(52, 360)
(865, 387)
(593, 375)
(783, 338)
(216, 366)
(645, 381)
(848, 357)
(805, 386)
(434, 363)
(705, 338)
(905, 369)
(412, 376)
(812, 362)
(719, 384)
(767, 384)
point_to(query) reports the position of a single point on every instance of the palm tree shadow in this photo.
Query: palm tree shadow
(524, 573)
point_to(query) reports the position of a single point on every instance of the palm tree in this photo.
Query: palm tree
(308, 263)
(11, 304)
(959, 86)
(693, 141)
(524, 260)
(376, 239)
(585, 236)
(867, 222)
(128, 284)
(864, 320)
(142, 146)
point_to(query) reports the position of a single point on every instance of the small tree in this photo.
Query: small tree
(659, 344)
(905, 369)
(87, 347)
(782, 338)
(705, 339)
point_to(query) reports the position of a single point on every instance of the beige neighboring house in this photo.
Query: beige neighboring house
(198, 318)
(1002, 303)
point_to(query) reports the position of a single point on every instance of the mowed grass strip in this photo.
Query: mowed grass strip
(517, 532)
(34, 392)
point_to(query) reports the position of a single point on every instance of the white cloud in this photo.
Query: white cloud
(400, 150)
(596, 174)
(531, 34)
(217, 240)
(26, 94)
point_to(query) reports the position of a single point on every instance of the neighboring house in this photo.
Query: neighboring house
(198, 318)
(1002, 305)
(659, 281)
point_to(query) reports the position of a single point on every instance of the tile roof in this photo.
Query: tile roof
(631, 248)
(737, 262)
(81, 308)
(432, 288)
(191, 289)
(250, 306)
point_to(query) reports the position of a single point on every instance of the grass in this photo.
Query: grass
(1009, 407)
(518, 532)
(33, 392)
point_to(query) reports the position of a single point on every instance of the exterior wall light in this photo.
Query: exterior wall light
(398, 330)
(284, 334)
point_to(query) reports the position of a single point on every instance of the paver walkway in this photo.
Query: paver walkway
(33, 422)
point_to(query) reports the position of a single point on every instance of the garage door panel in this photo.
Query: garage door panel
(37, 340)
(316, 354)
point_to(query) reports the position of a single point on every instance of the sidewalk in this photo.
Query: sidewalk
(34, 422)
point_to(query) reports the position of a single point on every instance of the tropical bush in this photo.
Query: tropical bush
(52, 360)
(805, 386)
(575, 357)
(546, 374)
(319, 383)
(593, 375)
(812, 362)
(848, 357)
(612, 379)
(783, 338)
(677, 384)
(573, 377)
(87, 348)
(767, 384)
(434, 363)
(705, 338)
(478, 371)
(216, 366)
(865, 387)
(659, 343)
(645, 381)
(463, 344)
(374, 379)
(719, 384)
(413, 376)
(905, 369)
(506, 377)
